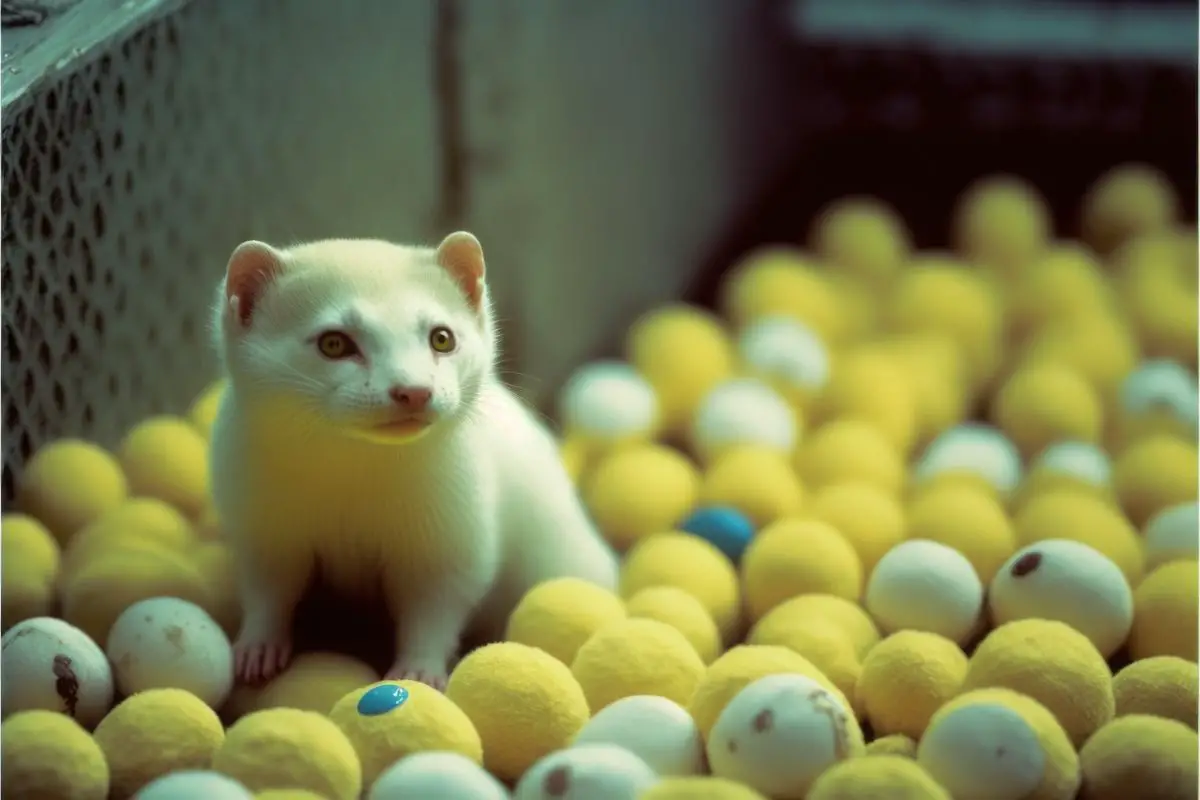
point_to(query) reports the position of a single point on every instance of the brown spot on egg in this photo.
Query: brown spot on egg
(764, 721)
(732, 746)
(557, 782)
(66, 683)
(1026, 564)
(174, 635)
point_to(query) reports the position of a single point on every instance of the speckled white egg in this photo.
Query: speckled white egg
(608, 400)
(779, 733)
(1067, 581)
(450, 776)
(50, 664)
(1173, 533)
(656, 729)
(786, 351)
(165, 642)
(194, 785)
(983, 750)
(973, 447)
(587, 772)
(925, 586)
(743, 411)
(1161, 385)
(1082, 461)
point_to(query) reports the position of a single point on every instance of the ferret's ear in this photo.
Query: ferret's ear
(461, 255)
(252, 267)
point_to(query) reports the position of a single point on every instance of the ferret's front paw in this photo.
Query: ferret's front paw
(259, 659)
(407, 670)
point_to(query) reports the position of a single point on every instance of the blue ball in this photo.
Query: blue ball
(727, 528)
(382, 699)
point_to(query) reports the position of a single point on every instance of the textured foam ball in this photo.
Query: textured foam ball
(906, 678)
(870, 518)
(845, 450)
(742, 411)
(788, 355)
(798, 556)
(1043, 403)
(861, 237)
(1140, 756)
(1154, 473)
(559, 615)
(1100, 347)
(23, 595)
(700, 787)
(757, 481)
(975, 451)
(896, 744)
(46, 754)
(1171, 534)
(165, 457)
(515, 733)
(777, 281)
(217, 565)
(934, 366)
(846, 615)
(971, 521)
(779, 733)
(885, 776)
(144, 520)
(1160, 396)
(869, 385)
(389, 720)
(997, 743)
(633, 657)
(1052, 663)
(203, 411)
(157, 732)
(587, 772)
(1165, 613)
(1001, 222)
(1162, 686)
(822, 642)
(69, 483)
(690, 563)
(29, 541)
(50, 665)
(1125, 202)
(446, 775)
(657, 730)
(194, 784)
(727, 528)
(286, 748)
(640, 490)
(608, 401)
(1066, 282)
(683, 612)
(313, 681)
(925, 586)
(1078, 466)
(1084, 519)
(288, 794)
(682, 351)
(1062, 580)
(165, 642)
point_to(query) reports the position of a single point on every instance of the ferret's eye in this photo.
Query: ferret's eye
(335, 345)
(442, 340)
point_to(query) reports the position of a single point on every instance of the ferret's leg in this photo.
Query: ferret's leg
(270, 589)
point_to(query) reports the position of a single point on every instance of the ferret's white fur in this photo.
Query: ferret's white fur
(462, 520)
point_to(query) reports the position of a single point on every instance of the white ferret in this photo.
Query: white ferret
(365, 430)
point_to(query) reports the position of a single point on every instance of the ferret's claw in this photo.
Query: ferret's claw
(402, 672)
(259, 661)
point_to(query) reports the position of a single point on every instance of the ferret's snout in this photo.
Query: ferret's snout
(411, 398)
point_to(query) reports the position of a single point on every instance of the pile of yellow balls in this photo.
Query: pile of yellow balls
(895, 524)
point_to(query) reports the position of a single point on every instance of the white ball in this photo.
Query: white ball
(785, 350)
(50, 664)
(586, 772)
(976, 448)
(1069, 582)
(1162, 384)
(450, 776)
(1080, 460)
(1171, 534)
(743, 411)
(165, 642)
(656, 729)
(608, 400)
(778, 734)
(925, 586)
(983, 750)
(194, 785)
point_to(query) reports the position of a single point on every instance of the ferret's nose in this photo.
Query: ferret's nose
(410, 398)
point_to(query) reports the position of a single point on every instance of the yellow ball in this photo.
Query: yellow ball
(906, 678)
(636, 657)
(845, 450)
(141, 519)
(1158, 285)
(45, 754)
(794, 557)
(1001, 223)
(1085, 519)
(1165, 613)
(870, 519)
(1099, 347)
(1044, 403)
(757, 481)
(885, 776)
(699, 787)
(1054, 664)
(690, 563)
(559, 615)
(682, 351)
(423, 721)
(1066, 283)
(155, 732)
(165, 457)
(896, 744)
(1125, 202)
(286, 748)
(524, 703)
(866, 384)
(782, 281)
(288, 794)
(24, 538)
(683, 612)
(69, 483)
(1162, 686)
(936, 373)
(847, 615)
(311, 682)
(1155, 473)
(641, 490)
(217, 566)
(1140, 756)
(23, 594)
(861, 237)
(204, 408)
(970, 520)
(741, 666)
(578, 454)
(824, 643)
